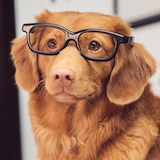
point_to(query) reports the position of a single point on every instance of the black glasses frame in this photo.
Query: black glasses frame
(74, 36)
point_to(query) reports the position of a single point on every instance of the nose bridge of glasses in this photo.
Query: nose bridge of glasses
(72, 36)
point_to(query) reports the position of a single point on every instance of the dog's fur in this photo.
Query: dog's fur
(107, 113)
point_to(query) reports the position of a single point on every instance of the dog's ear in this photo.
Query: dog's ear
(25, 63)
(133, 67)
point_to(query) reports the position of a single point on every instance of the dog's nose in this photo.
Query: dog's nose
(63, 76)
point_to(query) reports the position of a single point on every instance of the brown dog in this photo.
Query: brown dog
(89, 94)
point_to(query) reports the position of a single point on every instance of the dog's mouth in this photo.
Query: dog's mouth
(64, 94)
(68, 97)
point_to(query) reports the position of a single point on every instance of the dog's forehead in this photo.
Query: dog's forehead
(75, 21)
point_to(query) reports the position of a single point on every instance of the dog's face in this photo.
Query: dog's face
(69, 77)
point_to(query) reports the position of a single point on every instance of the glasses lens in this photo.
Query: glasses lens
(46, 39)
(97, 44)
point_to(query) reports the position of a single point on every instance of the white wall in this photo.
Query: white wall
(25, 12)
(137, 9)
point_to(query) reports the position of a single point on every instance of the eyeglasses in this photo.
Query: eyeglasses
(93, 44)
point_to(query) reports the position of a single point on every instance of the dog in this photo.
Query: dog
(88, 86)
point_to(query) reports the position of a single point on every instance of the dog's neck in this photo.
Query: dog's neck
(68, 116)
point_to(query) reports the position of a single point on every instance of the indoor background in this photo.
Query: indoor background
(16, 138)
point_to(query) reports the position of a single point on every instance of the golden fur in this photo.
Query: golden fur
(110, 113)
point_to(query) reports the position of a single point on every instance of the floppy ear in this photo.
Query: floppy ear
(25, 62)
(133, 67)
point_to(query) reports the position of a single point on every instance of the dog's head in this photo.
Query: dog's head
(68, 75)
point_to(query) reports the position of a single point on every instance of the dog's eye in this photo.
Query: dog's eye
(94, 46)
(52, 44)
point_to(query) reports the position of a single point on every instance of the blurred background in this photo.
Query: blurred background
(16, 138)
